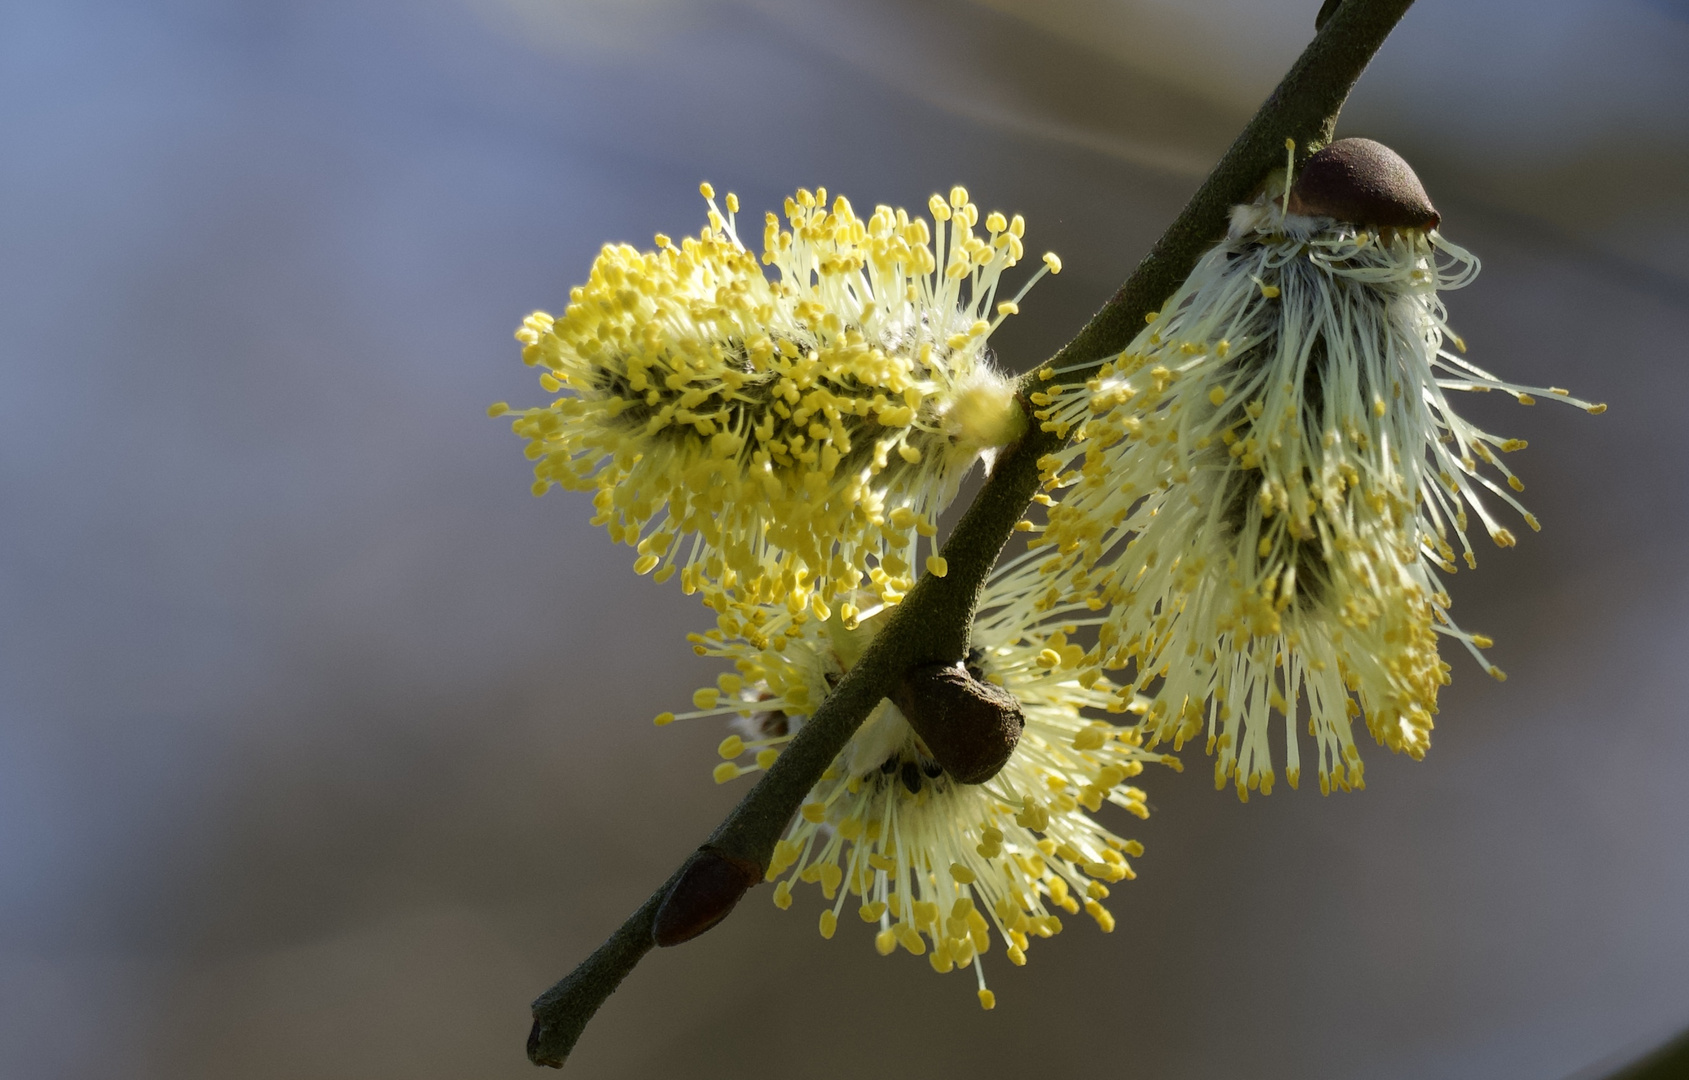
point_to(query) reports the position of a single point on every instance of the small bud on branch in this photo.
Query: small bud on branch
(709, 886)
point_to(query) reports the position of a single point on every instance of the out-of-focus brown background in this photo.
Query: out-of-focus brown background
(324, 747)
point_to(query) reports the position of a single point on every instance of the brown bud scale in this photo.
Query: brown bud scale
(1363, 183)
(706, 893)
(971, 726)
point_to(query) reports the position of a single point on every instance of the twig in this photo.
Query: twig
(934, 621)
(1666, 1062)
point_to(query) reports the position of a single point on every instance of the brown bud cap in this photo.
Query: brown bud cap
(971, 726)
(1363, 183)
(709, 886)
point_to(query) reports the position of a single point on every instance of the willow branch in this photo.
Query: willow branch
(1662, 1063)
(934, 621)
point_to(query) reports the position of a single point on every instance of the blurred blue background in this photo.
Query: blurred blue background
(324, 747)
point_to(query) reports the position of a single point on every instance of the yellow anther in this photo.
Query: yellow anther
(987, 1000)
(961, 873)
(937, 566)
(731, 747)
(1091, 738)
(664, 719)
(707, 190)
(910, 939)
(1105, 920)
(726, 771)
(829, 923)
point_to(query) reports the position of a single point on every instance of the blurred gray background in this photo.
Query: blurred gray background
(325, 747)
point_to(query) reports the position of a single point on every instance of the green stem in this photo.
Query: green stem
(934, 621)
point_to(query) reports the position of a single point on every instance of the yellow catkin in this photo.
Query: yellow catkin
(935, 865)
(775, 429)
(1262, 555)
